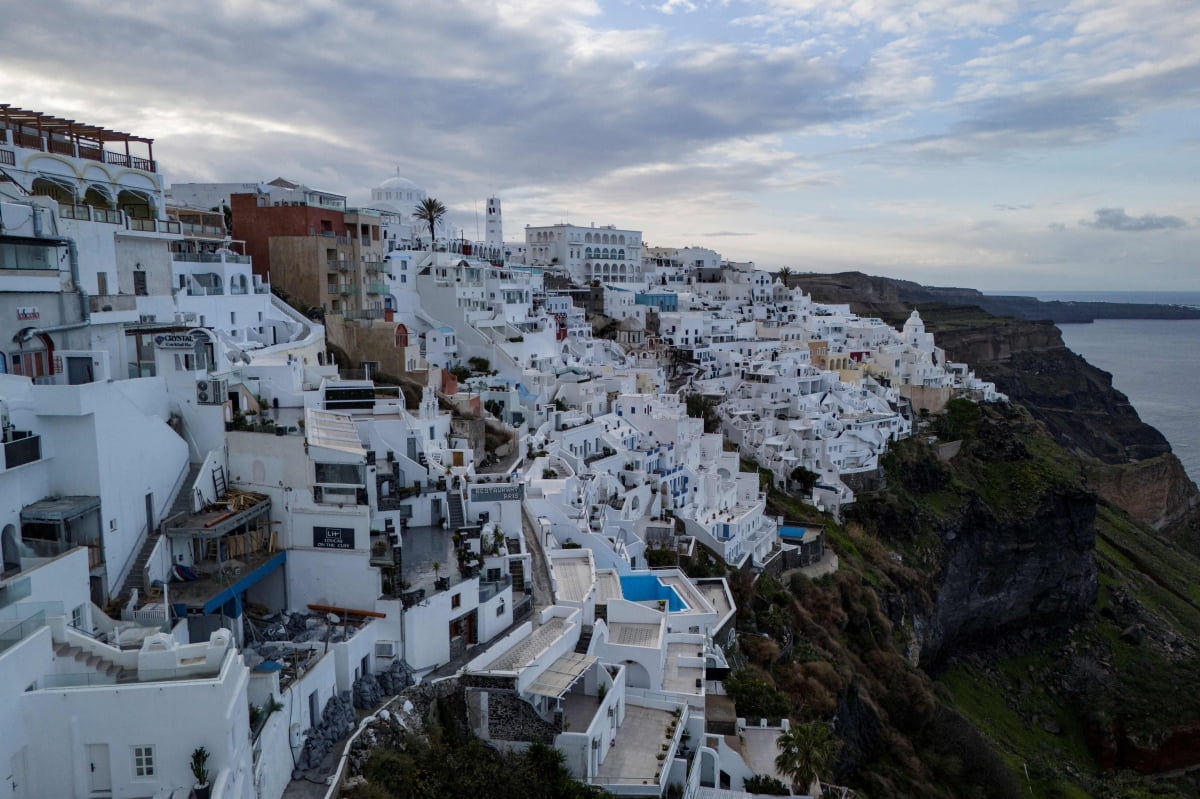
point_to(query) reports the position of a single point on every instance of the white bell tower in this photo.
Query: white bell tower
(495, 225)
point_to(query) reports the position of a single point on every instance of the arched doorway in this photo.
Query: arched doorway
(136, 204)
(11, 550)
(55, 188)
(636, 675)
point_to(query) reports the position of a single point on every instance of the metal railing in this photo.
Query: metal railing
(8, 158)
(341, 266)
(152, 225)
(211, 257)
(364, 314)
(377, 288)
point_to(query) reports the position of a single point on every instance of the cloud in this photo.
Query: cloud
(721, 233)
(1117, 219)
(1006, 207)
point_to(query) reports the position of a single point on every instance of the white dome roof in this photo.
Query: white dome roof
(398, 183)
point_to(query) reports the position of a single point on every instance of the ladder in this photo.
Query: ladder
(219, 481)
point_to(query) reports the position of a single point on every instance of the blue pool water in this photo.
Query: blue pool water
(792, 532)
(646, 588)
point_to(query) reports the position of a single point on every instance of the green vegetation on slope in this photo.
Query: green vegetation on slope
(1056, 705)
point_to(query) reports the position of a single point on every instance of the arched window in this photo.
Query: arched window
(237, 284)
(587, 238)
(401, 336)
(587, 252)
(621, 255)
(621, 240)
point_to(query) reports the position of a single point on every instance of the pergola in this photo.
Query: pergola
(39, 131)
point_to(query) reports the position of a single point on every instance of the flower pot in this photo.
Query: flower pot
(201, 791)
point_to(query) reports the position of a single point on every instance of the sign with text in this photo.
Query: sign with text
(177, 341)
(333, 537)
(28, 312)
(498, 493)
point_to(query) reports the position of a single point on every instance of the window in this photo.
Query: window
(139, 283)
(314, 709)
(339, 473)
(77, 617)
(455, 601)
(143, 761)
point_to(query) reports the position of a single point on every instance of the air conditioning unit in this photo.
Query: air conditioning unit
(385, 649)
(185, 318)
(211, 392)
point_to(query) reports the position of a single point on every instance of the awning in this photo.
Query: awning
(558, 678)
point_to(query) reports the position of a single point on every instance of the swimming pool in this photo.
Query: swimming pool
(648, 588)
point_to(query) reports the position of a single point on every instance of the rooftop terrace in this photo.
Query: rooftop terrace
(38, 131)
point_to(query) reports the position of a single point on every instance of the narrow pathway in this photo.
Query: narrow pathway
(541, 569)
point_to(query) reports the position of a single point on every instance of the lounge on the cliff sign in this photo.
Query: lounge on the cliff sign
(333, 537)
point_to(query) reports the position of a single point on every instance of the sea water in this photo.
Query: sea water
(1154, 362)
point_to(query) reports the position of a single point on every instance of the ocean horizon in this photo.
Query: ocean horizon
(1189, 298)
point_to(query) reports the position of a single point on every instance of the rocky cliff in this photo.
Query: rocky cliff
(1130, 462)
(839, 288)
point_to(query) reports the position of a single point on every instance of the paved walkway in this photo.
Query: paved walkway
(541, 571)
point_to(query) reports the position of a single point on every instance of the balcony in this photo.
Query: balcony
(21, 621)
(152, 225)
(22, 448)
(329, 234)
(211, 231)
(340, 266)
(383, 267)
(197, 290)
(347, 290)
(211, 257)
(101, 303)
(365, 314)
(8, 158)
(85, 213)
(377, 288)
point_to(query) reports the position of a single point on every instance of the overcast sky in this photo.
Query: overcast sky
(990, 143)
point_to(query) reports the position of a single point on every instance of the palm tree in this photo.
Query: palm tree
(804, 751)
(431, 210)
(784, 274)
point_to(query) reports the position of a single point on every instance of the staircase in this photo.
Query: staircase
(136, 579)
(183, 503)
(585, 640)
(105, 668)
(455, 505)
(516, 568)
(185, 499)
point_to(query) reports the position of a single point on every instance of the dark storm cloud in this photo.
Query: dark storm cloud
(1117, 219)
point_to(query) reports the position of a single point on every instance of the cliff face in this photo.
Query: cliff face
(1075, 400)
(855, 287)
(999, 573)
(1131, 463)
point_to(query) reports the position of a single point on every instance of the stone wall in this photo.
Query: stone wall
(508, 717)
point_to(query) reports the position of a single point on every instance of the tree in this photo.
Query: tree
(784, 275)
(430, 211)
(804, 751)
(804, 479)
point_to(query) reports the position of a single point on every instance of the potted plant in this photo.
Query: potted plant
(199, 766)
